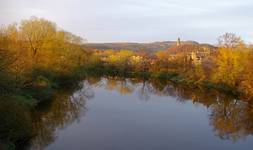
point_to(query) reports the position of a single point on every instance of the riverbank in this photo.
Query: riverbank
(17, 104)
(171, 76)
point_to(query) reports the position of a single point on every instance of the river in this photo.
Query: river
(134, 114)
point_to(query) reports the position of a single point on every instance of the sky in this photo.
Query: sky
(139, 20)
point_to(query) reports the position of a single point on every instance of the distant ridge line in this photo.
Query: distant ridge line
(135, 46)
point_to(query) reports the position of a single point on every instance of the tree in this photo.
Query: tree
(229, 40)
(37, 32)
(9, 36)
(247, 83)
(230, 64)
(230, 60)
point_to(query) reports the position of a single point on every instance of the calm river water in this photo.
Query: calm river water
(132, 114)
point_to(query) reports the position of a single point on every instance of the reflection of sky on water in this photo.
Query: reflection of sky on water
(133, 114)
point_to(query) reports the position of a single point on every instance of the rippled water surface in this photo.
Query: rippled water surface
(132, 114)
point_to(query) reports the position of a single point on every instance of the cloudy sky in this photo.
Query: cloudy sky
(139, 20)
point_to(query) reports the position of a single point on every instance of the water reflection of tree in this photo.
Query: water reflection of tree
(62, 111)
(145, 90)
(122, 85)
(231, 119)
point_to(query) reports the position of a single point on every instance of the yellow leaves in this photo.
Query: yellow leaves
(246, 87)
(117, 57)
(61, 61)
(65, 36)
(37, 32)
(12, 32)
(23, 62)
(135, 60)
(113, 59)
(125, 53)
(162, 55)
(37, 29)
(246, 84)
(231, 61)
(37, 43)
(109, 52)
(230, 64)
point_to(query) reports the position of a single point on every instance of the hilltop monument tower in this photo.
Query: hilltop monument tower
(178, 42)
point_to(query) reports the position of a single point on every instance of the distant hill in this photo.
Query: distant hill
(186, 48)
(151, 47)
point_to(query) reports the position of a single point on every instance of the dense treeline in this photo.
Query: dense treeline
(36, 52)
(226, 67)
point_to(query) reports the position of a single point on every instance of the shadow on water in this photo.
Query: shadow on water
(230, 118)
(65, 109)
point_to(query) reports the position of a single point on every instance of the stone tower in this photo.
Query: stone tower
(178, 42)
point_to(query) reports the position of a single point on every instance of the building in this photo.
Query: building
(178, 42)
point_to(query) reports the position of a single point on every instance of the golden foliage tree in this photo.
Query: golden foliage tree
(37, 32)
(230, 60)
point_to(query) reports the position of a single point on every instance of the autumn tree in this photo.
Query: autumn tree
(9, 37)
(246, 85)
(229, 40)
(37, 32)
(230, 60)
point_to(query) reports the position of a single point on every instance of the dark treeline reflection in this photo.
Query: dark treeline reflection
(62, 111)
(231, 119)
